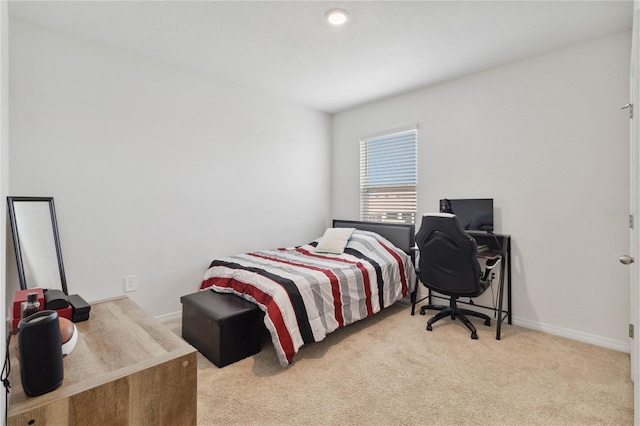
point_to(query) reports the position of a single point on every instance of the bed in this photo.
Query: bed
(306, 292)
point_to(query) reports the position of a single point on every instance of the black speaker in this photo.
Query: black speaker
(40, 350)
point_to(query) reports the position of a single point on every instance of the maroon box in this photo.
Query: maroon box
(21, 296)
(65, 312)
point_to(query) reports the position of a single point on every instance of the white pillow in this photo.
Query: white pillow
(334, 240)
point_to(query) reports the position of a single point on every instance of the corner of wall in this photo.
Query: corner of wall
(4, 162)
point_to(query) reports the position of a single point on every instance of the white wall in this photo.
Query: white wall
(155, 170)
(545, 138)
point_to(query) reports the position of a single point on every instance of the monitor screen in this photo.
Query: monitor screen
(474, 214)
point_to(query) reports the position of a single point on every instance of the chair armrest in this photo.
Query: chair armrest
(492, 263)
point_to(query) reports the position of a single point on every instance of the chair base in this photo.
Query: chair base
(454, 312)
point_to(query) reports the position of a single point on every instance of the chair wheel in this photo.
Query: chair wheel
(487, 322)
(429, 327)
(474, 336)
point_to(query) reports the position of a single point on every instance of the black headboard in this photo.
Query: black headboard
(401, 235)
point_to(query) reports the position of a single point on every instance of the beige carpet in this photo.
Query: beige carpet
(388, 370)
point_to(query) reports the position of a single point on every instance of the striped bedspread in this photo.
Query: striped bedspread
(307, 295)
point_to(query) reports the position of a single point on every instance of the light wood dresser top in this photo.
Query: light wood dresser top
(118, 341)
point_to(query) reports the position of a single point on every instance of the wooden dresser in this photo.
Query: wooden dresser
(126, 369)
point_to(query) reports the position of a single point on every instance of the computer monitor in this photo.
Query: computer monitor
(474, 214)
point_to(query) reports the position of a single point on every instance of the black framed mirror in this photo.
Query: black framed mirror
(37, 243)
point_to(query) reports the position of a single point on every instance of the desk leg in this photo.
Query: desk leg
(500, 297)
(414, 297)
(509, 280)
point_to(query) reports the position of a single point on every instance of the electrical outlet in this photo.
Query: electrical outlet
(130, 283)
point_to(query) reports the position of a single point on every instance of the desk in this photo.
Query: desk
(498, 244)
(126, 368)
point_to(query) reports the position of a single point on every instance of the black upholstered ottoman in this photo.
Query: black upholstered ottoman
(223, 327)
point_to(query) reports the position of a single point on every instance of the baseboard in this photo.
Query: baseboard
(605, 342)
(169, 317)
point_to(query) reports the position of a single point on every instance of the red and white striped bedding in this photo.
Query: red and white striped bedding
(307, 295)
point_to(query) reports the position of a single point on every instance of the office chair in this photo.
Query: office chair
(447, 264)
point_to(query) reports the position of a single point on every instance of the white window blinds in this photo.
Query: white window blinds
(388, 177)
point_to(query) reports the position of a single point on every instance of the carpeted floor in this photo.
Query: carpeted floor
(389, 370)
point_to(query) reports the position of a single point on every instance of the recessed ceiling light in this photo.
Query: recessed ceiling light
(337, 16)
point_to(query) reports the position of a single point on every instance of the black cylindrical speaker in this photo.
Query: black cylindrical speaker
(40, 350)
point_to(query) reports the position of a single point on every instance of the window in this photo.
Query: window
(388, 177)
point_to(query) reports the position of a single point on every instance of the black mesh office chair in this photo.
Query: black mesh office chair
(448, 265)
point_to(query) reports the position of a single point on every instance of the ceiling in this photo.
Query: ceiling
(285, 48)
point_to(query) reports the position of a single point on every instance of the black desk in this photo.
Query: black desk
(498, 244)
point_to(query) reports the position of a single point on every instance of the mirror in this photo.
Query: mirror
(36, 242)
